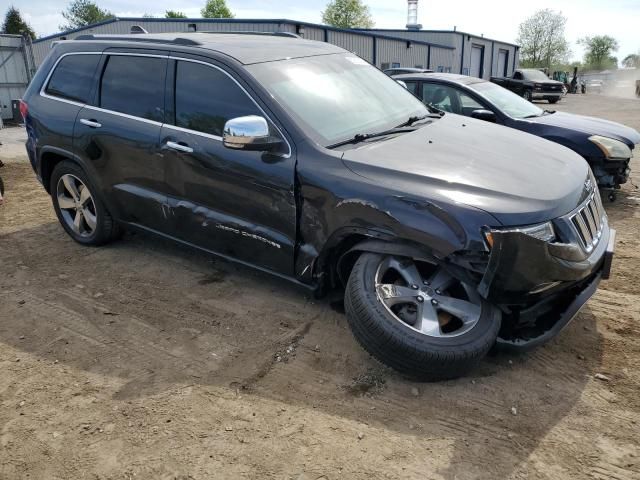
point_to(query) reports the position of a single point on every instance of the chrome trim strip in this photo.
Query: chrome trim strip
(588, 221)
(193, 132)
(125, 115)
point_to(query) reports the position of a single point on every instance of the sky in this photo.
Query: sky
(497, 19)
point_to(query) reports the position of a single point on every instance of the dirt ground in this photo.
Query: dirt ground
(147, 360)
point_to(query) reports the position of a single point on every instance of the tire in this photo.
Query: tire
(527, 95)
(101, 228)
(1, 188)
(554, 100)
(398, 345)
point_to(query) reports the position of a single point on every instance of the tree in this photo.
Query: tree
(598, 51)
(347, 14)
(14, 24)
(632, 60)
(542, 41)
(81, 13)
(216, 9)
(174, 14)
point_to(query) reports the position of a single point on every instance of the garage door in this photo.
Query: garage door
(503, 58)
(476, 61)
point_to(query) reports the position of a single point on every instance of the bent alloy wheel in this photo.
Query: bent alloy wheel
(76, 205)
(80, 211)
(417, 318)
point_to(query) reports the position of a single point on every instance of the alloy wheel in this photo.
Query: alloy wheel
(77, 206)
(426, 298)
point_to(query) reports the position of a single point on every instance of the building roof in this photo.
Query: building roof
(245, 47)
(398, 30)
(368, 33)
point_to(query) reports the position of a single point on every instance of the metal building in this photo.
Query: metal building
(16, 69)
(443, 51)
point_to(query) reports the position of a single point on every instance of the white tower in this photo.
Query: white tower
(412, 15)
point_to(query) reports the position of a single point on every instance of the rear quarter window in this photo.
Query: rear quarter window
(73, 77)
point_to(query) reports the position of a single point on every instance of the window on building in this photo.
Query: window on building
(395, 65)
(384, 65)
(206, 98)
(440, 69)
(135, 86)
(447, 69)
(73, 77)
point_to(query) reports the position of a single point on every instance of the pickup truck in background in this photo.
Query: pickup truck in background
(531, 84)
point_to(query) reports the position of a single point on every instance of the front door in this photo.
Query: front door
(119, 134)
(234, 202)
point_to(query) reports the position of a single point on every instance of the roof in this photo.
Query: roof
(246, 48)
(396, 30)
(449, 77)
(284, 21)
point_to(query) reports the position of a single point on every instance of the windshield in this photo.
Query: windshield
(334, 97)
(507, 101)
(535, 75)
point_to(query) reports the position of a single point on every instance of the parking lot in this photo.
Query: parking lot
(148, 360)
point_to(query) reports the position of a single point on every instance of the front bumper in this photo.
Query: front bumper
(533, 318)
(546, 95)
(610, 173)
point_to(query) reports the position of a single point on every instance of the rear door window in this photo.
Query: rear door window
(206, 98)
(134, 85)
(73, 77)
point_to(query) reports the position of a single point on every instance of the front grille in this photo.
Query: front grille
(589, 222)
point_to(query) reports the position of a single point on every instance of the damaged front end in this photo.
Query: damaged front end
(540, 276)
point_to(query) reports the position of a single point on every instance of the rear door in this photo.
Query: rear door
(119, 134)
(234, 202)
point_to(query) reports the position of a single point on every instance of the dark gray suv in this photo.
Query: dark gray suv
(447, 234)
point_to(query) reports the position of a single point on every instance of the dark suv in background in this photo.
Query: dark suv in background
(301, 159)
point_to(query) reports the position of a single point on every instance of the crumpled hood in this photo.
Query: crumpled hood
(516, 177)
(590, 126)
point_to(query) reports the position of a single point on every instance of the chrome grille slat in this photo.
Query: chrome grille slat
(588, 222)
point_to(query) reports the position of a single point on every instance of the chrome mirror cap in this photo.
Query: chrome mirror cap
(248, 133)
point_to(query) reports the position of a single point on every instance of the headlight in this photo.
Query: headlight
(542, 231)
(612, 149)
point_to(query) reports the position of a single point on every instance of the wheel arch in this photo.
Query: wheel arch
(49, 158)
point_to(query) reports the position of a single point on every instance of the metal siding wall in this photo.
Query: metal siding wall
(314, 34)
(359, 44)
(390, 51)
(13, 74)
(444, 58)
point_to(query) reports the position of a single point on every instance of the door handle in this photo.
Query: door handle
(180, 147)
(90, 123)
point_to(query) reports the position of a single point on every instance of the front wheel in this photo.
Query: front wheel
(417, 318)
(527, 95)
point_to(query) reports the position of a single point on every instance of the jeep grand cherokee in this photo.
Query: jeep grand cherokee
(448, 234)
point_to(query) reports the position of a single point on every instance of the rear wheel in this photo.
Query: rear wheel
(417, 318)
(80, 212)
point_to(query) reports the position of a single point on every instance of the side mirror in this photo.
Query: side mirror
(486, 115)
(249, 133)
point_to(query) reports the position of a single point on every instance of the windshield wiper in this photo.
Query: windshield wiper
(549, 112)
(361, 137)
(535, 115)
(417, 118)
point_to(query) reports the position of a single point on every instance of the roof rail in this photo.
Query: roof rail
(140, 37)
(270, 34)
